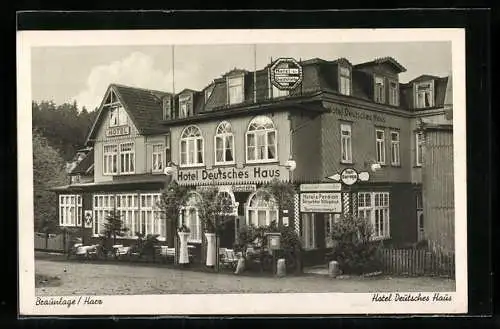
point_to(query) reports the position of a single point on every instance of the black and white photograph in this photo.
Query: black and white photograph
(242, 172)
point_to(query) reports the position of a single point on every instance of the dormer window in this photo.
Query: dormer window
(185, 106)
(208, 93)
(344, 80)
(393, 93)
(167, 107)
(235, 89)
(424, 94)
(379, 90)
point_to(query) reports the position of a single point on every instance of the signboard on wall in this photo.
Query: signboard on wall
(286, 74)
(321, 202)
(118, 131)
(88, 218)
(320, 187)
(232, 175)
(233, 188)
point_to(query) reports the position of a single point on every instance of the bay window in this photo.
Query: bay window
(70, 210)
(380, 146)
(261, 142)
(224, 144)
(191, 147)
(374, 206)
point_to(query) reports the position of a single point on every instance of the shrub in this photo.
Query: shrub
(353, 248)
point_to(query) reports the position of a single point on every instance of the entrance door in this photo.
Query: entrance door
(420, 223)
(307, 230)
(329, 220)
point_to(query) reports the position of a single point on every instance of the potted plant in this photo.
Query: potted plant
(183, 233)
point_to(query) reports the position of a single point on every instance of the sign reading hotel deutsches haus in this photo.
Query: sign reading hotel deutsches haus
(286, 73)
(117, 131)
(231, 175)
(321, 202)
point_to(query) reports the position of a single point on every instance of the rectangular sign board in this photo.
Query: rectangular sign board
(321, 202)
(320, 187)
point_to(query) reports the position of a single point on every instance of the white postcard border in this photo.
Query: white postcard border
(305, 303)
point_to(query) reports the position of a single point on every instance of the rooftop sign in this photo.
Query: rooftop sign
(286, 74)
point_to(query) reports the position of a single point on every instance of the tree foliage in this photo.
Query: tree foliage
(215, 210)
(113, 227)
(354, 248)
(173, 198)
(48, 171)
(282, 192)
(64, 126)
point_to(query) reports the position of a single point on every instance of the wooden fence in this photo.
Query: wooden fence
(52, 242)
(415, 262)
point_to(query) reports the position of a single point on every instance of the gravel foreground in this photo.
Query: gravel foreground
(117, 279)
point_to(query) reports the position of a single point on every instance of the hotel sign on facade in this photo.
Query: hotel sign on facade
(321, 202)
(118, 131)
(231, 175)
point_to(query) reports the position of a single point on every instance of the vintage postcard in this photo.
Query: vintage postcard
(176, 172)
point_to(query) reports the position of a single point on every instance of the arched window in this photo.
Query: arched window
(191, 150)
(189, 217)
(228, 202)
(224, 144)
(261, 140)
(262, 209)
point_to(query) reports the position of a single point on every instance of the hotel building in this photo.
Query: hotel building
(240, 132)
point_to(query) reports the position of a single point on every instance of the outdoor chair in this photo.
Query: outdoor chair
(228, 258)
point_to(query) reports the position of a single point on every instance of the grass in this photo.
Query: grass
(42, 280)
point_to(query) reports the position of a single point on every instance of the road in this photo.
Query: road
(124, 279)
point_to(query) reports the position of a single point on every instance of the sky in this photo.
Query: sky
(83, 73)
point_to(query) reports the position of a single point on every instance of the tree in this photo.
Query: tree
(48, 171)
(173, 198)
(215, 210)
(282, 192)
(114, 226)
(354, 248)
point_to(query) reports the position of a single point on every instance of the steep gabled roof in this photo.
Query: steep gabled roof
(143, 106)
(424, 77)
(384, 60)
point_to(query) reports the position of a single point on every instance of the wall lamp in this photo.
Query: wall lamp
(170, 168)
(374, 166)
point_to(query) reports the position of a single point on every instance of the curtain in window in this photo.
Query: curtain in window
(271, 142)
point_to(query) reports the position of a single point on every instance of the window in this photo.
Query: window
(102, 205)
(345, 80)
(185, 106)
(393, 93)
(374, 206)
(235, 89)
(424, 94)
(308, 230)
(190, 218)
(151, 221)
(419, 143)
(110, 159)
(261, 140)
(346, 143)
(127, 158)
(380, 143)
(157, 161)
(224, 144)
(379, 90)
(70, 210)
(395, 157)
(127, 206)
(191, 147)
(208, 92)
(261, 209)
(118, 117)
